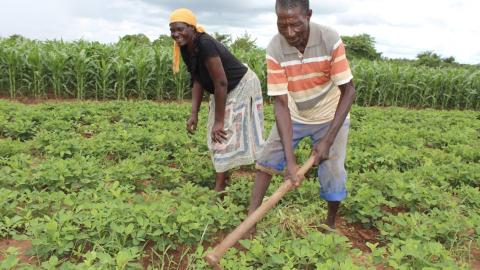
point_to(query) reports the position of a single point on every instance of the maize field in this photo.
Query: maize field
(91, 70)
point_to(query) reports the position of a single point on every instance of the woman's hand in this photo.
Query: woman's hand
(192, 124)
(218, 134)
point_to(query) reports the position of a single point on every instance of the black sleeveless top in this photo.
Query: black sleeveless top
(206, 47)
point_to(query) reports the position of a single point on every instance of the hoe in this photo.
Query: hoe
(214, 257)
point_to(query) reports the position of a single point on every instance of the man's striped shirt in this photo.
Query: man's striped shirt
(310, 80)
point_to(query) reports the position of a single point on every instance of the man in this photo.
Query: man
(310, 79)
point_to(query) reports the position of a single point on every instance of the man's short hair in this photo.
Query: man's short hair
(289, 4)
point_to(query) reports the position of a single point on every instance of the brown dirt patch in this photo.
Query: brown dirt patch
(363, 261)
(357, 234)
(87, 135)
(475, 258)
(172, 259)
(22, 246)
(393, 210)
(142, 185)
(178, 259)
(32, 101)
(217, 238)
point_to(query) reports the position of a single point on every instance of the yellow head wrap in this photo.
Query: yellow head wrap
(185, 16)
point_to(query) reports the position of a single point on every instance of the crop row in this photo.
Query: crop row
(91, 70)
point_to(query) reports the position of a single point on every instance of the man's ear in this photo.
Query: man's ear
(309, 13)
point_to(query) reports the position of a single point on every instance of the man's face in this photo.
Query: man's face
(293, 24)
(182, 33)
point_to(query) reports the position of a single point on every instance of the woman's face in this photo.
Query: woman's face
(182, 33)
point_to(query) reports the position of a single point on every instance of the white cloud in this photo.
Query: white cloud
(35, 19)
(401, 28)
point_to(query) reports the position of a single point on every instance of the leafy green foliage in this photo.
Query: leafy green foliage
(134, 67)
(243, 43)
(137, 39)
(225, 39)
(112, 185)
(431, 59)
(389, 83)
(361, 46)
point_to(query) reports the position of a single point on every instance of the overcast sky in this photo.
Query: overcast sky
(401, 29)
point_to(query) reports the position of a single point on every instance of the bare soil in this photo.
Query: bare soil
(357, 234)
(475, 258)
(22, 246)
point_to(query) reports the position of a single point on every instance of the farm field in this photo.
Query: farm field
(91, 70)
(122, 185)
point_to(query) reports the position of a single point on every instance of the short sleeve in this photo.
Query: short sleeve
(277, 80)
(340, 72)
(207, 49)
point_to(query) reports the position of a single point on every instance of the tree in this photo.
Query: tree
(361, 46)
(226, 39)
(163, 41)
(449, 60)
(244, 43)
(138, 39)
(17, 38)
(429, 58)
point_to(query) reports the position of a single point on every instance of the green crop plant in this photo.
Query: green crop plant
(120, 184)
(56, 62)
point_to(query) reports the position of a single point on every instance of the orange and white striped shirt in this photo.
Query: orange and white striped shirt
(311, 79)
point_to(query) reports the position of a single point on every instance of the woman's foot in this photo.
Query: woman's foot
(221, 181)
(220, 188)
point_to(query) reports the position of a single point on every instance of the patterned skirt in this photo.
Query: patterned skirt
(243, 124)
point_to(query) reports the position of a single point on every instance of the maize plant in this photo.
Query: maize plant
(83, 70)
(102, 72)
(162, 62)
(13, 59)
(80, 66)
(383, 83)
(35, 75)
(182, 82)
(143, 70)
(56, 61)
(123, 70)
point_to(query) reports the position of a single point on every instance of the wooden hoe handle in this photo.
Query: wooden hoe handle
(214, 257)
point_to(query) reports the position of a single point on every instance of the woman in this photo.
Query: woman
(235, 121)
